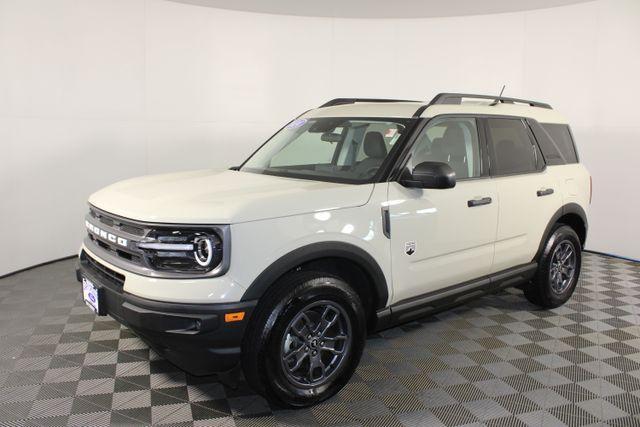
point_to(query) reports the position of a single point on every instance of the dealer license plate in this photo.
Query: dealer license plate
(90, 294)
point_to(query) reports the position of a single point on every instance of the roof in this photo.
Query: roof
(543, 113)
(367, 109)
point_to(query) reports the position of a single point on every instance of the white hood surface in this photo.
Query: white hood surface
(213, 197)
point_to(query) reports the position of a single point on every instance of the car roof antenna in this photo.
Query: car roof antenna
(497, 101)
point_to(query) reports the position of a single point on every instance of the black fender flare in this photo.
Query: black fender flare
(316, 251)
(569, 208)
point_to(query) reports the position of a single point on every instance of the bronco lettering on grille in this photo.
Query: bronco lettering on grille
(106, 235)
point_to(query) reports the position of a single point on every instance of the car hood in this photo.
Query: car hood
(213, 197)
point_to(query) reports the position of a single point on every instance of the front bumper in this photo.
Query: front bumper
(194, 337)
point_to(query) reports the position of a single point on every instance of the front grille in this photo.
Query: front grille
(117, 240)
(117, 223)
(100, 271)
(116, 251)
(119, 228)
(132, 229)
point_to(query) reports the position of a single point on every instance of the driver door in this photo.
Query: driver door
(443, 237)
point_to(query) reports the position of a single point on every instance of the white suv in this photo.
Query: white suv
(355, 216)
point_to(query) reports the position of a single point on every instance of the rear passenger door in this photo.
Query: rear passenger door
(527, 192)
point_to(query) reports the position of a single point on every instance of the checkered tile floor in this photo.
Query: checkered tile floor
(498, 361)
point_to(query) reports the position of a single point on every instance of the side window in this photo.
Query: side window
(549, 149)
(449, 140)
(511, 148)
(561, 137)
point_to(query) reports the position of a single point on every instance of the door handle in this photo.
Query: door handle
(545, 192)
(479, 202)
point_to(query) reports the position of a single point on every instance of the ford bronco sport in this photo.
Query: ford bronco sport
(355, 216)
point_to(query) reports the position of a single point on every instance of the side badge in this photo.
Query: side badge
(410, 248)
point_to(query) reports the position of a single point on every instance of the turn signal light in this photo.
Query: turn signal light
(234, 317)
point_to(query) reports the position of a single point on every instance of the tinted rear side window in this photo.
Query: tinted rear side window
(550, 151)
(511, 147)
(561, 137)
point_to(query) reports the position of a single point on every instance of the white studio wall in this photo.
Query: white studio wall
(92, 92)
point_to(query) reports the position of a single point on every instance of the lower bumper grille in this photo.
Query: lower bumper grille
(101, 271)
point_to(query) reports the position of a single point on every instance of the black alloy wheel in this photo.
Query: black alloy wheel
(304, 340)
(558, 269)
(316, 343)
(563, 267)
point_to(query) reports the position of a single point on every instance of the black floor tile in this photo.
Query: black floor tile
(496, 361)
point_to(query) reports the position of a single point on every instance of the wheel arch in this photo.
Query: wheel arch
(344, 260)
(571, 214)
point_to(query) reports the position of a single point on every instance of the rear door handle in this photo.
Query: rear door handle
(479, 202)
(545, 192)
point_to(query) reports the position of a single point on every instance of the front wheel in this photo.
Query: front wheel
(558, 269)
(305, 339)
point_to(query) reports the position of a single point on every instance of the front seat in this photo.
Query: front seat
(437, 153)
(454, 146)
(376, 151)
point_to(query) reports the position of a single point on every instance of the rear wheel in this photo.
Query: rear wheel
(305, 339)
(558, 269)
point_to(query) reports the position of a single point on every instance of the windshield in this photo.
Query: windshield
(343, 149)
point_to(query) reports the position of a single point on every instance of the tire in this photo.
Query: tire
(283, 352)
(555, 280)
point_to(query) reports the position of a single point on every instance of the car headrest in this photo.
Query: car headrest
(454, 141)
(437, 148)
(453, 133)
(374, 146)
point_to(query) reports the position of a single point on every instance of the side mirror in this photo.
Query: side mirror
(429, 175)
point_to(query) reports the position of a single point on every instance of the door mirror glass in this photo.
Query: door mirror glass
(430, 175)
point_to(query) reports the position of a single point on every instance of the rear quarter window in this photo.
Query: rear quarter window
(556, 143)
(561, 135)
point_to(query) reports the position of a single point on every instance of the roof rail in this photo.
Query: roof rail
(343, 101)
(456, 98)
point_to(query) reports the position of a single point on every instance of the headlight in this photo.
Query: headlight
(182, 251)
